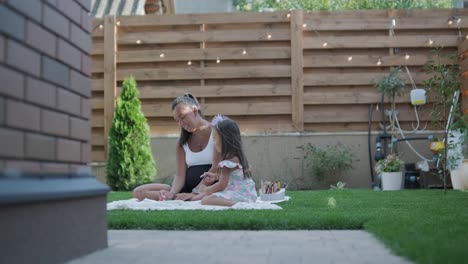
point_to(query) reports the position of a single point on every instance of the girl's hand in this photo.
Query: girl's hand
(209, 177)
(184, 196)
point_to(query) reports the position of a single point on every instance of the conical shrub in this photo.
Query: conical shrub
(129, 162)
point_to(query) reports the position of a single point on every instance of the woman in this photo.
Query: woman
(195, 154)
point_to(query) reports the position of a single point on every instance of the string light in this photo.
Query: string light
(407, 56)
(101, 26)
(466, 36)
(269, 36)
(350, 58)
(117, 23)
(430, 42)
(325, 44)
(288, 15)
(162, 55)
(138, 41)
(244, 52)
(304, 25)
(379, 62)
(393, 25)
(189, 63)
(218, 60)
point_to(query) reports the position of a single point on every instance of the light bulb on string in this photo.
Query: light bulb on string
(138, 41)
(189, 63)
(407, 56)
(218, 60)
(393, 22)
(325, 44)
(269, 36)
(350, 58)
(162, 55)
(288, 15)
(379, 62)
(101, 26)
(304, 25)
(117, 23)
(244, 52)
(430, 42)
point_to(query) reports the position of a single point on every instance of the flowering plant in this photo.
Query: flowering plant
(392, 163)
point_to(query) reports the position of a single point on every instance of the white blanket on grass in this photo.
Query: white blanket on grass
(147, 204)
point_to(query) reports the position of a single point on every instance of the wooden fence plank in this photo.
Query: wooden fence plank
(232, 108)
(352, 61)
(203, 36)
(382, 23)
(351, 95)
(204, 54)
(97, 85)
(97, 103)
(355, 113)
(297, 77)
(355, 78)
(193, 19)
(97, 48)
(380, 42)
(208, 91)
(191, 73)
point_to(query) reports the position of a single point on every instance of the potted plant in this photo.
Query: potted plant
(443, 86)
(328, 162)
(390, 172)
(391, 85)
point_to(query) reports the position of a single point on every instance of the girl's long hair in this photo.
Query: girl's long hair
(190, 101)
(231, 143)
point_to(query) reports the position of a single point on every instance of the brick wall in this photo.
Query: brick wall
(45, 85)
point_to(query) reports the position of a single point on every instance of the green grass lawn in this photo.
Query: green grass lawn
(426, 226)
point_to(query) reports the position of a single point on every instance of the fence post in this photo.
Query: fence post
(297, 76)
(110, 68)
(463, 61)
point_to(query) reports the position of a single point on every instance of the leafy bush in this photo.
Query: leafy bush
(130, 162)
(328, 161)
(392, 163)
(332, 5)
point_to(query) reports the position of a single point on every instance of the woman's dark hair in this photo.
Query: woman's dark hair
(190, 101)
(231, 143)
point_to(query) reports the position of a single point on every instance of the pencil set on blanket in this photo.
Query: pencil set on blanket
(272, 191)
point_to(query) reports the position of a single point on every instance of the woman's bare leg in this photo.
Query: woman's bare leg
(215, 200)
(150, 191)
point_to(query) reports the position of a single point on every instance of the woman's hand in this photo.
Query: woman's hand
(166, 195)
(184, 196)
(209, 177)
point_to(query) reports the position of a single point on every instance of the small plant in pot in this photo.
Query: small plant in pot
(443, 85)
(390, 171)
(391, 85)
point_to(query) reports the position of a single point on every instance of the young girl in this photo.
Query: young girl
(235, 182)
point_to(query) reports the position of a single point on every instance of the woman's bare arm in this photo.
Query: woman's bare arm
(179, 178)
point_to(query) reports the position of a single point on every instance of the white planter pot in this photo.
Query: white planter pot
(459, 177)
(392, 181)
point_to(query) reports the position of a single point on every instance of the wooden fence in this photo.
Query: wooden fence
(272, 72)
